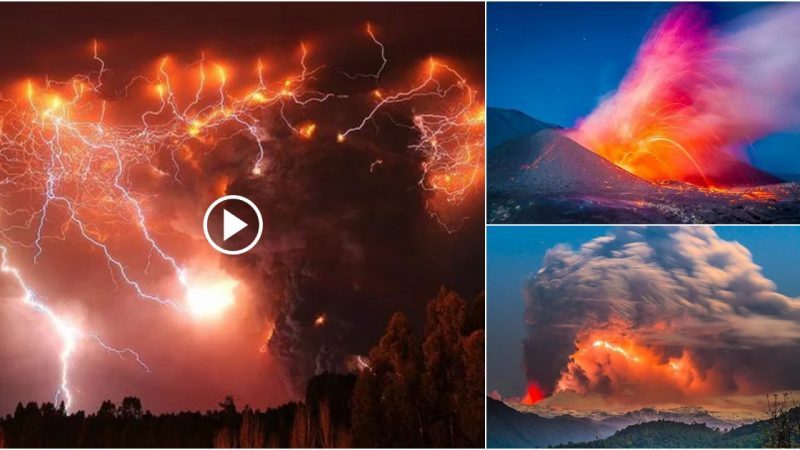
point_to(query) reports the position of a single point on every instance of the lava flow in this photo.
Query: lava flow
(80, 161)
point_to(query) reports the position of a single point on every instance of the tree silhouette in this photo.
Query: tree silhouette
(784, 420)
(429, 393)
(417, 391)
(444, 366)
(131, 408)
(387, 406)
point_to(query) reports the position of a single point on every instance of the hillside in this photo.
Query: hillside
(505, 124)
(658, 434)
(669, 434)
(507, 427)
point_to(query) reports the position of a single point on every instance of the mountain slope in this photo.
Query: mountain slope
(753, 435)
(549, 163)
(658, 434)
(507, 427)
(505, 124)
(670, 434)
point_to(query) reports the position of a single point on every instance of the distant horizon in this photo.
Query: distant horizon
(753, 406)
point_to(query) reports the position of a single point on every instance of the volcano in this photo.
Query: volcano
(537, 174)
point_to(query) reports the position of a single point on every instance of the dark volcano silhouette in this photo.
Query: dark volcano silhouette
(547, 162)
(507, 124)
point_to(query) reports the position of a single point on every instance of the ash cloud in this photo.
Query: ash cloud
(677, 292)
(353, 245)
(342, 240)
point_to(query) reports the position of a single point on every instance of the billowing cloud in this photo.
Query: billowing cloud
(653, 314)
(697, 95)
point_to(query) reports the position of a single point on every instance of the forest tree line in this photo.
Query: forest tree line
(417, 392)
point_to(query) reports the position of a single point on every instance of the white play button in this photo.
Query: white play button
(231, 225)
(226, 226)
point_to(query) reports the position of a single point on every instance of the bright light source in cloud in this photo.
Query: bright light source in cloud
(210, 299)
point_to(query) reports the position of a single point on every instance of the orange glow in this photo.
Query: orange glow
(307, 131)
(533, 395)
(761, 194)
(87, 154)
(670, 119)
(208, 299)
(258, 97)
(221, 186)
(478, 117)
(221, 73)
(604, 358)
(617, 349)
(29, 91)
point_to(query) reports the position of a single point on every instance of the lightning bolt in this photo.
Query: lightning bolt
(450, 134)
(72, 162)
(615, 349)
(69, 333)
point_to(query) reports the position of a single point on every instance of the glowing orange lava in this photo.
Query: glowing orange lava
(533, 395)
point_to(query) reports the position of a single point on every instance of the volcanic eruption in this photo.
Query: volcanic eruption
(696, 97)
(658, 315)
(680, 139)
(364, 153)
(649, 315)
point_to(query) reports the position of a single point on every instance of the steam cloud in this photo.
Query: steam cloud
(678, 294)
(697, 95)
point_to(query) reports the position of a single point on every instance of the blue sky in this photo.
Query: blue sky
(514, 253)
(554, 61)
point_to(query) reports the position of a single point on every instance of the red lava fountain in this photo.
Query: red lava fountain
(534, 394)
(684, 110)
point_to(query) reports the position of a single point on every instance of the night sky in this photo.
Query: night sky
(516, 253)
(341, 240)
(556, 61)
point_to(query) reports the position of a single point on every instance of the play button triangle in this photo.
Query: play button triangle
(231, 225)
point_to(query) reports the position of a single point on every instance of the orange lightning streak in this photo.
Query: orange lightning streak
(617, 349)
(622, 361)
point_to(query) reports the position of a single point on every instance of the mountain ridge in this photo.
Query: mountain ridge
(527, 429)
